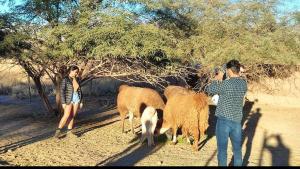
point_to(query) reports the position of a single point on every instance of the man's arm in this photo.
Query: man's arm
(216, 86)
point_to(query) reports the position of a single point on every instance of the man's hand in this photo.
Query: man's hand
(219, 76)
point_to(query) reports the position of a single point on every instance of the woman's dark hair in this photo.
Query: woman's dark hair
(234, 65)
(72, 68)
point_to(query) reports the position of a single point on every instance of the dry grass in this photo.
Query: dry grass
(14, 81)
(288, 86)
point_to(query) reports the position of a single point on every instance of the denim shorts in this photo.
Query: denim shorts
(75, 98)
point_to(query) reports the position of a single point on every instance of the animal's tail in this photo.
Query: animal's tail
(206, 112)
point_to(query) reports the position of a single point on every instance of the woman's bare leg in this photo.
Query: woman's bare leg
(73, 114)
(67, 112)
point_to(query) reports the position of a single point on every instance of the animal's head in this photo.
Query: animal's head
(161, 127)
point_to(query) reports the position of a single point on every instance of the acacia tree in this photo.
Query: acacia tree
(114, 39)
(16, 44)
(103, 42)
(23, 44)
(110, 43)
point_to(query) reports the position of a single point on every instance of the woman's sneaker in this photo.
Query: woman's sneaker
(57, 133)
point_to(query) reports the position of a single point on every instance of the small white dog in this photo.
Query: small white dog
(149, 120)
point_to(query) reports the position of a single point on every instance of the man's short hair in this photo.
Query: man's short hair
(234, 65)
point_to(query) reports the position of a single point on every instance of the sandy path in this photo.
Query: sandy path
(101, 141)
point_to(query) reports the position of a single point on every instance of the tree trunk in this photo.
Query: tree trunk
(45, 100)
(57, 94)
(29, 89)
(37, 81)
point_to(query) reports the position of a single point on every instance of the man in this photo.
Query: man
(229, 111)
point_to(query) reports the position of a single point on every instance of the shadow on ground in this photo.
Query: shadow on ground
(280, 153)
(134, 153)
(91, 118)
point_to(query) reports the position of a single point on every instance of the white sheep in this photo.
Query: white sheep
(149, 120)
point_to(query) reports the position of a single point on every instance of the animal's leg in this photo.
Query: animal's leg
(202, 129)
(153, 126)
(131, 121)
(206, 112)
(123, 115)
(152, 139)
(196, 137)
(149, 138)
(186, 134)
(144, 130)
(174, 135)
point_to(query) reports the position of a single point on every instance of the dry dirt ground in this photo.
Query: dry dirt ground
(270, 135)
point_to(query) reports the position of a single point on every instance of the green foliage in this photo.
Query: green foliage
(100, 34)
(111, 36)
(296, 18)
(210, 32)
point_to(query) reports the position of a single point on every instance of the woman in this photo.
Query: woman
(71, 98)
